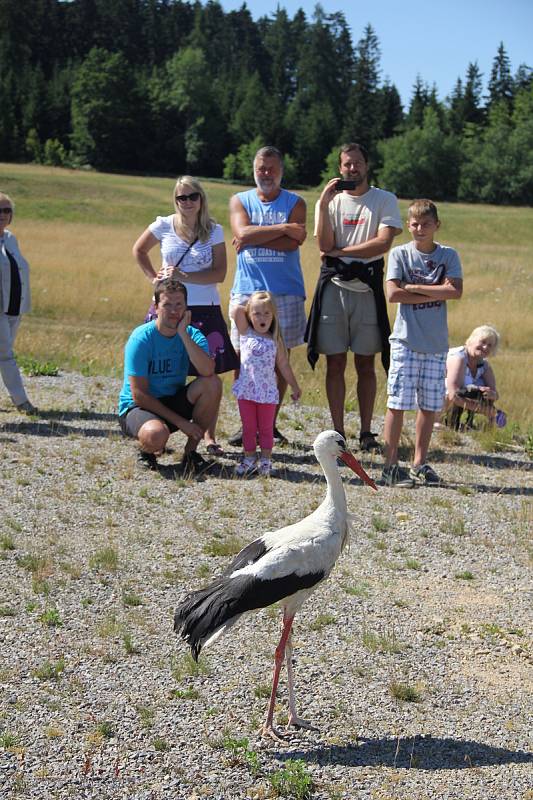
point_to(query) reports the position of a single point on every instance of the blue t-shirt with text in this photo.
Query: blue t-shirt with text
(161, 359)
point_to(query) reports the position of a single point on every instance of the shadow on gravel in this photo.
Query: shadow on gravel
(487, 460)
(418, 752)
(56, 429)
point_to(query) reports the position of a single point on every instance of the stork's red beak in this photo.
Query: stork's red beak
(354, 464)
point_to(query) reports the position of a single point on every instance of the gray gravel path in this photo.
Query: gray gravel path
(97, 699)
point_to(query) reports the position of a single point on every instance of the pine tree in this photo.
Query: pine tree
(501, 81)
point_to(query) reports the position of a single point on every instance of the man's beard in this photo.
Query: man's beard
(266, 185)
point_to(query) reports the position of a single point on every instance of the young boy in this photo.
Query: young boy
(421, 276)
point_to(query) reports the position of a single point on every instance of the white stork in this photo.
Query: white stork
(280, 566)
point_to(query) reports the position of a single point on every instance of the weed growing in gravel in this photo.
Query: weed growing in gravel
(50, 670)
(412, 563)
(106, 729)
(358, 589)
(188, 667)
(380, 524)
(129, 645)
(322, 621)
(203, 570)
(223, 547)
(160, 745)
(383, 642)
(454, 525)
(400, 603)
(106, 558)
(447, 549)
(185, 694)
(146, 716)
(8, 740)
(241, 753)
(131, 600)
(293, 781)
(404, 692)
(54, 732)
(33, 367)
(262, 690)
(51, 618)
(441, 502)
(7, 542)
(464, 576)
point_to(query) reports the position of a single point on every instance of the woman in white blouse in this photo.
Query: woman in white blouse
(193, 251)
(14, 301)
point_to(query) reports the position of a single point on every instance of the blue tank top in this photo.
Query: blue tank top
(262, 268)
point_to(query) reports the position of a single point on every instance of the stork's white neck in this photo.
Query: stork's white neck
(335, 495)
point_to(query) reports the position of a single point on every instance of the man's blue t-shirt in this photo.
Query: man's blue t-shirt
(161, 359)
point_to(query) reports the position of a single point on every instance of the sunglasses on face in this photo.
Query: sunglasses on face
(6, 210)
(193, 197)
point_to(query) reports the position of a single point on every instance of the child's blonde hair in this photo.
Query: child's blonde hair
(485, 332)
(268, 299)
(419, 208)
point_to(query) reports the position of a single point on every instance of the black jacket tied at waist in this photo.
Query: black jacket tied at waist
(372, 275)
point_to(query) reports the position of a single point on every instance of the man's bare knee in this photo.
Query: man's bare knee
(336, 365)
(364, 366)
(153, 436)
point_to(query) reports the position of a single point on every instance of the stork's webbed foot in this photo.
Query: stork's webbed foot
(268, 730)
(298, 722)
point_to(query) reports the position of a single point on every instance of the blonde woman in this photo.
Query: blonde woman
(193, 251)
(470, 381)
(14, 301)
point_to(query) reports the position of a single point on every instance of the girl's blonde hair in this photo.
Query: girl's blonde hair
(268, 299)
(204, 223)
(485, 332)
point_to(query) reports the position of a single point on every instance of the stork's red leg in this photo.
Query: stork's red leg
(268, 728)
(294, 719)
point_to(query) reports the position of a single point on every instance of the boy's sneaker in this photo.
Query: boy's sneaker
(192, 463)
(27, 408)
(425, 474)
(265, 466)
(247, 466)
(367, 442)
(146, 460)
(397, 476)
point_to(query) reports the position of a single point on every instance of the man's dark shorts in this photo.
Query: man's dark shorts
(132, 421)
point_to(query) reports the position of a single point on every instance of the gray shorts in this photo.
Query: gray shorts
(348, 321)
(132, 421)
(291, 315)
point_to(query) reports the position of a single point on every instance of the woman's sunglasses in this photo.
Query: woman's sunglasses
(193, 197)
(6, 210)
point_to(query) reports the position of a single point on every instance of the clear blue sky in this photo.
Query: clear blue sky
(435, 38)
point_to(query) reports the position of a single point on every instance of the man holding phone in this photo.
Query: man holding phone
(355, 225)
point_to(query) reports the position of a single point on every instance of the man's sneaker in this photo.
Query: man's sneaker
(236, 439)
(265, 466)
(192, 463)
(279, 438)
(397, 476)
(367, 442)
(246, 466)
(425, 474)
(27, 408)
(146, 460)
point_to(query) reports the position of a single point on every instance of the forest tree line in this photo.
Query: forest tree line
(170, 87)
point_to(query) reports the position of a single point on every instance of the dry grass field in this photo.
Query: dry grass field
(77, 228)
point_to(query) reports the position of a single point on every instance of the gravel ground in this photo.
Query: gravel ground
(432, 601)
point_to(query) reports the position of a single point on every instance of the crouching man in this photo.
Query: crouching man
(156, 399)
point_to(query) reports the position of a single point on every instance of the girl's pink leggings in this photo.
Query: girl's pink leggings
(257, 418)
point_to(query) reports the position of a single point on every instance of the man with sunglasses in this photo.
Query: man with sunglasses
(155, 399)
(268, 226)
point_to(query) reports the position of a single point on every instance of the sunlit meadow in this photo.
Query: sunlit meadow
(77, 230)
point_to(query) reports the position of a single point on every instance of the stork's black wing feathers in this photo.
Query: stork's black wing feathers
(206, 611)
(248, 555)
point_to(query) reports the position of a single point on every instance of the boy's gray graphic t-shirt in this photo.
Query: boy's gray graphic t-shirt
(422, 327)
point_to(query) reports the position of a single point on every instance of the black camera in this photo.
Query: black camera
(342, 185)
